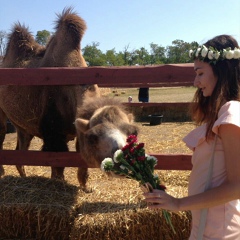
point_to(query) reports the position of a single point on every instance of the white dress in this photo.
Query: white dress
(223, 222)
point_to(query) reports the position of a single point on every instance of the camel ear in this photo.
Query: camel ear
(130, 117)
(82, 125)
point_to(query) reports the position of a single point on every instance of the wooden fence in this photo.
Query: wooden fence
(149, 76)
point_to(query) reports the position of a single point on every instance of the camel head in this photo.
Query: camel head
(104, 133)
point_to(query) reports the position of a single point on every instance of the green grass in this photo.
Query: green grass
(165, 94)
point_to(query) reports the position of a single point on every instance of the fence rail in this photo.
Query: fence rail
(149, 76)
(73, 159)
(152, 76)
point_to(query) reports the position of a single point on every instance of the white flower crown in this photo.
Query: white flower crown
(202, 52)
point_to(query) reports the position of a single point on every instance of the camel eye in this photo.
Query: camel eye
(92, 139)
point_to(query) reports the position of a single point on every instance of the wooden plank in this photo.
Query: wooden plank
(168, 74)
(73, 159)
(149, 85)
(173, 161)
(38, 158)
(158, 104)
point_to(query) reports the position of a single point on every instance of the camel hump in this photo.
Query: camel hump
(70, 23)
(21, 46)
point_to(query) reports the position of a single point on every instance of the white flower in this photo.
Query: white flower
(229, 54)
(204, 51)
(190, 53)
(197, 52)
(210, 54)
(105, 162)
(236, 54)
(216, 55)
(116, 154)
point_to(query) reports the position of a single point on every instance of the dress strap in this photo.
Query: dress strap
(203, 214)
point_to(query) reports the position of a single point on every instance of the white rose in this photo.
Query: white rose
(229, 54)
(236, 54)
(106, 160)
(116, 154)
(204, 51)
(210, 54)
(216, 55)
(190, 53)
(197, 52)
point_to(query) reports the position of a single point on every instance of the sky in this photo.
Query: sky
(117, 24)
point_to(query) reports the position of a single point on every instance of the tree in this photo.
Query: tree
(94, 56)
(113, 58)
(126, 55)
(178, 52)
(42, 37)
(3, 42)
(157, 54)
(142, 56)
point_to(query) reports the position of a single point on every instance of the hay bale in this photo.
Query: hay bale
(36, 208)
(178, 112)
(140, 224)
(42, 208)
(115, 210)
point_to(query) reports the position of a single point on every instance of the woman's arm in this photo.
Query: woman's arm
(230, 190)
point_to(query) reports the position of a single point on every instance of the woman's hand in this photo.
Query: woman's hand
(160, 199)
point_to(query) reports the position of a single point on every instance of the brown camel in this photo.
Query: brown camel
(47, 112)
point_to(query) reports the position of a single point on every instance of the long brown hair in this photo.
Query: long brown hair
(205, 109)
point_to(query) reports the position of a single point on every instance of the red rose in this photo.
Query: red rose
(140, 145)
(132, 138)
(126, 147)
(132, 150)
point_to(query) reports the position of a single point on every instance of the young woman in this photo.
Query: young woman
(214, 184)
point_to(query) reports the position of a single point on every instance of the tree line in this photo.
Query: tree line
(177, 52)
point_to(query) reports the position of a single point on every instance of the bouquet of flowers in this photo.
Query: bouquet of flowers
(132, 162)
